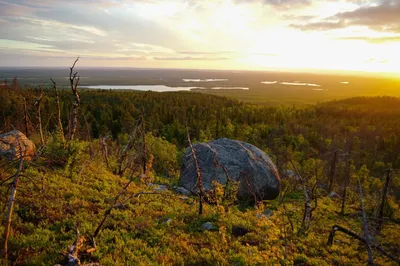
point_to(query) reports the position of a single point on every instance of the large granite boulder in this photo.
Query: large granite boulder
(13, 143)
(256, 173)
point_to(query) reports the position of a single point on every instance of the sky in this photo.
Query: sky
(356, 35)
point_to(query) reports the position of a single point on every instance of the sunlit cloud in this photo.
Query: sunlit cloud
(228, 34)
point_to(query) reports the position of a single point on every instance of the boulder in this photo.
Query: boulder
(13, 143)
(251, 167)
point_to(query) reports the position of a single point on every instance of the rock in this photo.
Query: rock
(182, 190)
(12, 142)
(208, 226)
(157, 187)
(166, 221)
(266, 213)
(290, 174)
(333, 194)
(245, 163)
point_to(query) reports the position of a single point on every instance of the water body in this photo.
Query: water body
(157, 88)
(203, 80)
(230, 88)
(296, 83)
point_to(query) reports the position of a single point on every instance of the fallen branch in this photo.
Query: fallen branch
(11, 202)
(361, 239)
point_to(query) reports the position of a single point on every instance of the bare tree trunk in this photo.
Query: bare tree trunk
(384, 195)
(11, 202)
(346, 181)
(332, 171)
(60, 126)
(366, 231)
(104, 149)
(308, 209)
(144, 161)
(74, 81)
(87, 128)
(26, 119)
(38, 105)
(199, 178)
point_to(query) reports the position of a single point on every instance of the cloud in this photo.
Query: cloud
(319, 26)
(382, 17)
(14, 10)
(373, 39)
(280, 4)
(190, 58)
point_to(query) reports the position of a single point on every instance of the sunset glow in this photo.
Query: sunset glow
(227, 34)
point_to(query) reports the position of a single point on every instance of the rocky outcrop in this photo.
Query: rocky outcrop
(15, 143)
(251, 167)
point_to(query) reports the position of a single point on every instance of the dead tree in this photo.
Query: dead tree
(144, 155)
(346, 184)
(104, 149)
(332, 170)
(366, 231)
(125, 151)
(60, 126)
(116, 205)
(199, 181)
(11, 202)
(26, 118)
(339, 228)
(309, 196)
(384, 195)
(74, 82)
(38, 103)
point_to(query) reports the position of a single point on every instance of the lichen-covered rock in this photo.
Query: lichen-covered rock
(15, 143)
(251, 167)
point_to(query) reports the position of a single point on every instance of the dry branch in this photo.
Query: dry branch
(38, 109)
(199, 182)
(60, 126)
(366, 231)
(11, 202)
(74, 82)
(361, 239)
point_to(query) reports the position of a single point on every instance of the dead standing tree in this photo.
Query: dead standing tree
(199, 181)
(38, 103)
(366, 229)
(26, 118)
(309, 195)
(388, 172)
(333, 170)
(60, 126)
(74, 82)
(346, 184)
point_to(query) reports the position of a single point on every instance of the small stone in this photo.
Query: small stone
(208, 226)
(182, 190)
(166, 221)
(267, 214)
